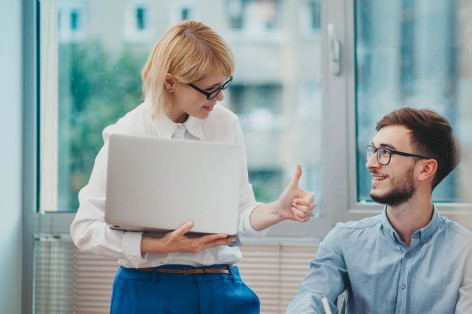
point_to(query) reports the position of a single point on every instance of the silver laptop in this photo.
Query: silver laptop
(155, 185)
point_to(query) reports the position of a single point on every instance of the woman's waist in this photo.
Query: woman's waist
(216, 256)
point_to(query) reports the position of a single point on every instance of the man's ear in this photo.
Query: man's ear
(169, 82)
(428, 170)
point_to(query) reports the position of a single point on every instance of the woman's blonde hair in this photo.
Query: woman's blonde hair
(189, 50)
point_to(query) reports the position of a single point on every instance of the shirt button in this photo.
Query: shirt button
(403, 286)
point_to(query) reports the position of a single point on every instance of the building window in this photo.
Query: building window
(310, 17)
(69, 22)
(254, 16)
(140, 18)
(185, 13)
(74, 20)
(137, 24)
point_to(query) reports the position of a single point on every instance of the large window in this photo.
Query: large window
(88, 83)
(379, 56)
(414, 53)
(293, 107)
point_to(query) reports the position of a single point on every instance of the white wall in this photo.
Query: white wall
(10, 155)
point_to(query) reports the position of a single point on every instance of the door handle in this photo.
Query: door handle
(335, 50)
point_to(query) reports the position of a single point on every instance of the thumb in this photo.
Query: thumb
(296, 176)
(186, 227)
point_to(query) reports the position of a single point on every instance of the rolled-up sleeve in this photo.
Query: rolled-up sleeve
(327, 277)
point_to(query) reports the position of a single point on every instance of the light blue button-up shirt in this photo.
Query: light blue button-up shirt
(381, 274)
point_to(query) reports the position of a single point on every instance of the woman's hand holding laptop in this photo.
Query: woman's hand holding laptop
(178, 241)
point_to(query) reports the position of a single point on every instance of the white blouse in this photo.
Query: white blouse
(91, 233)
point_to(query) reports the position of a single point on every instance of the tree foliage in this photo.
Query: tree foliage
(95, 89)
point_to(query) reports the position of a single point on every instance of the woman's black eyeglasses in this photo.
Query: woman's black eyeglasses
(385, 154)
(214, 93)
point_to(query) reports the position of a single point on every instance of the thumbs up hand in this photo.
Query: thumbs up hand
(294, 203)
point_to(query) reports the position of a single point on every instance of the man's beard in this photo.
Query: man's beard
(400, 193)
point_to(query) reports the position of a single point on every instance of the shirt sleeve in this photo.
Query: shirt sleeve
(89, 230)
(327, 277)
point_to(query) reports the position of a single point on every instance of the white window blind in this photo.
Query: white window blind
(69, 281)
(274, 269)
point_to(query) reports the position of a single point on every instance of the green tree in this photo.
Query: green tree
(95, 89)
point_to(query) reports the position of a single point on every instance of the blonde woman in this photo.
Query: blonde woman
(184, 78)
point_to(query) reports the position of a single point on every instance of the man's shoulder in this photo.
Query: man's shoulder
(350, 234)
(366, 223)
(456, 228)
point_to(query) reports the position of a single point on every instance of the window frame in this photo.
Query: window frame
(339, 97)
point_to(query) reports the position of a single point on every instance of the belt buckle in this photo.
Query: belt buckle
(189, 271)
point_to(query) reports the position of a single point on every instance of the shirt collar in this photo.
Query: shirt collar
(424, 233)
(390, 231)
(195, 127)
(427, 232)
(165, 127)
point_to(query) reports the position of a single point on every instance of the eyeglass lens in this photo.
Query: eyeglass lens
(225, 85)
(383, 154)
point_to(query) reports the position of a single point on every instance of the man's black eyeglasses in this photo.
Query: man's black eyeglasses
(385, 154)
(213, 94)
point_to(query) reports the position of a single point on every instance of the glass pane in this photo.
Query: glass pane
(415, 53)
(90, 76)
